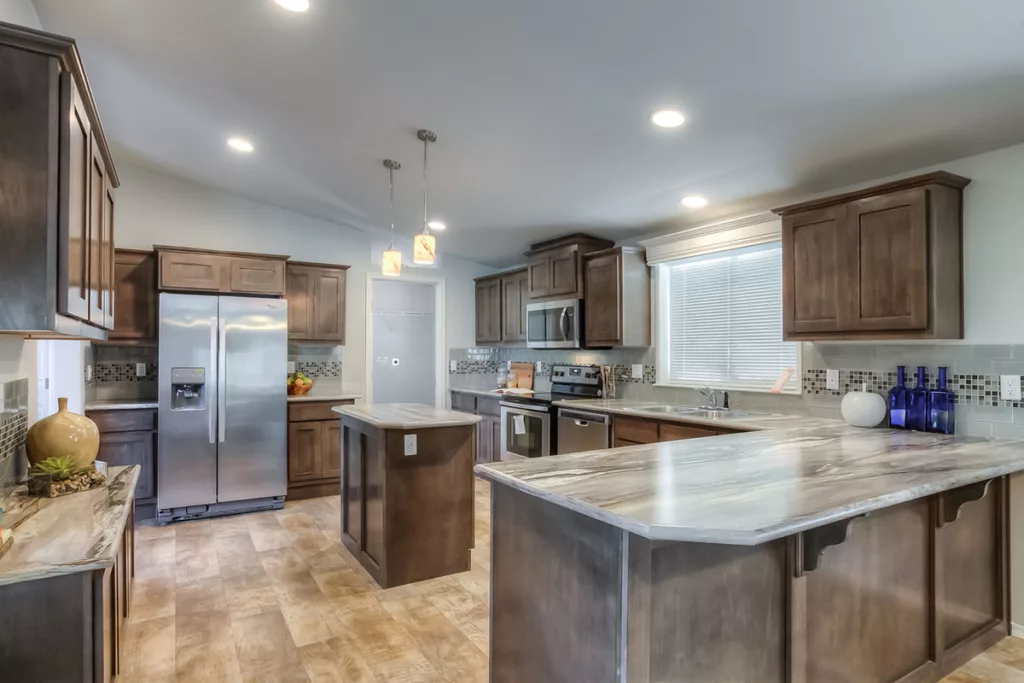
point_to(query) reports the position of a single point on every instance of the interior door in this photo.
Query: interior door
(252, 402)
(888, 246)
(73, 254)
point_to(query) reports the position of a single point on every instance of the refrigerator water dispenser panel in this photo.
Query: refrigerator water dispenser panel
(188, 388)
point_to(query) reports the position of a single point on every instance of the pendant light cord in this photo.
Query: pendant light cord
(426, 230)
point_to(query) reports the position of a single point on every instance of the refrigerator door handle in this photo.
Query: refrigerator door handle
(210, 410)
(222, 383)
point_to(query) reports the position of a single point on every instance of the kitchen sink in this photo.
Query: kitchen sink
(665, 409)
(704, 412)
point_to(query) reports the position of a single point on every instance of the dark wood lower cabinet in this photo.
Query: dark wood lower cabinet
(128, 437)
(488, 430)
(314, 449)
(906, 594)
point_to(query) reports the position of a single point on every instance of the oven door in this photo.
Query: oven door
(554, 324)
(525, 431)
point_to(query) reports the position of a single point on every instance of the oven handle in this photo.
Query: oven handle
(520, 409)
(579, 416)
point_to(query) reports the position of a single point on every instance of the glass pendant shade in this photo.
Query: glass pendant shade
(391, 262)
(423, 249)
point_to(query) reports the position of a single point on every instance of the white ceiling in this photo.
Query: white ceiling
(541, 106)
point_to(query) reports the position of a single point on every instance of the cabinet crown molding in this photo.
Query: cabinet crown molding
(934, 178)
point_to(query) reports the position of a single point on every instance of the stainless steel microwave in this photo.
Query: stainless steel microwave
(555, 324)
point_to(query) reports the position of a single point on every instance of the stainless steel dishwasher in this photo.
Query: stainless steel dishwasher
(581, 430)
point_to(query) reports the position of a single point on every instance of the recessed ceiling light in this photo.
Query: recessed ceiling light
(294, 5)
(694, 201)
(668, 118)
(240, 144)
(436, 225)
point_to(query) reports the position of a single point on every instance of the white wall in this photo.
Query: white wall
(19, 12)
(158, 208)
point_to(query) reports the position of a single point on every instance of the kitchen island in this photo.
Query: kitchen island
(407, 490)
(817, 553)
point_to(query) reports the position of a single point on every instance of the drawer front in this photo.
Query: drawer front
(463, 402)
(315, 410)
(488, 406)
(670, 431)
(257, 276)
(191, 271)
(637, 431)
(123, 420)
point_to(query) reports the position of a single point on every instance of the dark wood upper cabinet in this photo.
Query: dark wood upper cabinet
(515, 294)
(617, 299)
(554, 268)
(880, 263)
(316, 302)
(135, 318)
(57, 183)
(220, 272)
(488, 310)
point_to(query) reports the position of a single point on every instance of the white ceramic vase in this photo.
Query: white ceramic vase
(863, 408)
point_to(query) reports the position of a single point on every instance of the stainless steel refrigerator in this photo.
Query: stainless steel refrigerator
(222, 444)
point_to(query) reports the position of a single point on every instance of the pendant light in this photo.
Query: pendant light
(424, 244)
(391, 261)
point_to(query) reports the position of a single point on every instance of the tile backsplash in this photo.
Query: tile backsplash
(316, 361)
(13, 426)
(114, 373)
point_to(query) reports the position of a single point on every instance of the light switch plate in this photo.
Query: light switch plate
(291, 367)
(537, 366)
(638, 371)
(140, 369)
(1009, 387)
(88, 373)
(832, 380)
(410, 444)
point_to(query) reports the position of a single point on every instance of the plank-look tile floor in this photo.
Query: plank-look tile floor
(273, 597)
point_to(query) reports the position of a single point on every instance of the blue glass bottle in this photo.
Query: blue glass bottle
(940, 407)
(898, 400)
(917, 406)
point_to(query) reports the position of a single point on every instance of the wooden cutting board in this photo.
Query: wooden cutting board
(524, 375)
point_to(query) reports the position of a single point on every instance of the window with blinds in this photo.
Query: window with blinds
(724, 320)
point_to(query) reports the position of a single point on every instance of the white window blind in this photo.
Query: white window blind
(725, 320)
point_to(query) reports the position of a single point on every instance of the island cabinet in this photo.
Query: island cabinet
(316, 294)
(501, 308)
(881, 263)
(57, 192)
(407, 490)
(129, 437)
(66, 584)
(183, 269)
(314, 449)
(555, 269)
(617, 298)
(488, 430)
(634, 431)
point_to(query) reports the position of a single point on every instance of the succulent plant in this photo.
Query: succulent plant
(58, 467)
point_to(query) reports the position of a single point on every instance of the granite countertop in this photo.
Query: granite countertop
(489, 393)
(74, 533)
(407, 416)
(746, 421)
(124, 404)
(749, 488)
(325, 395)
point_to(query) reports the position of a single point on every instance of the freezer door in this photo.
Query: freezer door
(252, 410)
(186, 442)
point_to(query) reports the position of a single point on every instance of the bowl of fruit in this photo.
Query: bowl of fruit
(299, 384)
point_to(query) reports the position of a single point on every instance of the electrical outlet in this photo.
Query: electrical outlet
(537, 366)
(140, 369)
(291, 367)
(453, 366)
(832, 380)
(410, 444)
(396, 362)
(1009, 387)
(88, 373)
(638, 371)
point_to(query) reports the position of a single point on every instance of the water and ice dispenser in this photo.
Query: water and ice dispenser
(188, 388)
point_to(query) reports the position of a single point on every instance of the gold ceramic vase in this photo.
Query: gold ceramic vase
(63, 434)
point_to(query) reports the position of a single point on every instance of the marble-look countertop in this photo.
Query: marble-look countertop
(124, 404)
(488, 393)
(325, 395)
(407, 416)
(749, 488)
(74, 533)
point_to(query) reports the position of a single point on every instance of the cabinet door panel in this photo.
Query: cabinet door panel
(329, 306)
(73, 254)
(352, 484)
(305, 441)
(191, 271)
(488, 311)
(256, 276)
(97, 252)
(890, 244)
(131, 448)
(494, 426)
(514, 295)
(330, 466)
(373, 492)
(668, 431)
(300, 292)
(565, 272)
(135, 313)
(107, 239)
(538, 274)
(814, 271)
(603, 299)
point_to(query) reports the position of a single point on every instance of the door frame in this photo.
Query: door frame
(440, 334)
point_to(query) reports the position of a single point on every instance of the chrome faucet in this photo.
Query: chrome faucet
(711, 396)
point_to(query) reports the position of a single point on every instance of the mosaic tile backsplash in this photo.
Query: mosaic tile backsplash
(13, 425)
(331, 368)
